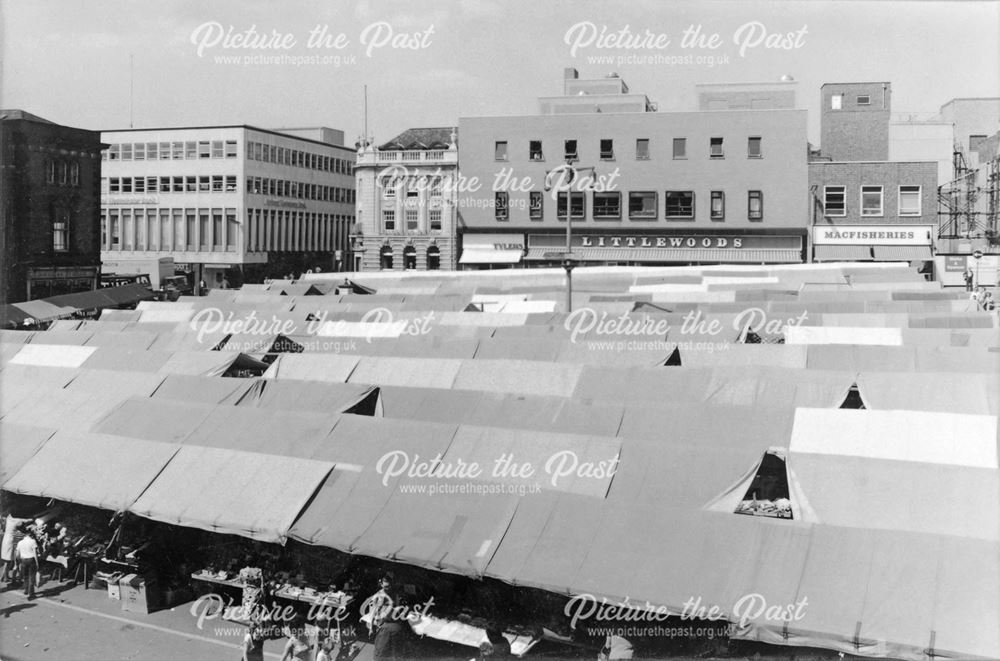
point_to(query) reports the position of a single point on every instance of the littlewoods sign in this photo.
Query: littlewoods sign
(660, 242)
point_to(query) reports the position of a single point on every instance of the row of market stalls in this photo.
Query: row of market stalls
(847, 462)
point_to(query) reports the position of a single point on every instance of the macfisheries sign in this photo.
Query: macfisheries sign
(873, 235)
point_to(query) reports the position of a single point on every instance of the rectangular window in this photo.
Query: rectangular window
(232, 230)
(114, 185)
(115, 153)
(116, 228)
(680, 147)
(216, 229)
(140, 185)
(608, 206)
(715, 148)
(140, 151)
(178, 184)
(412, 219)
(164, 151)
(753, 148)
(535, 205)
(74, 174)
(191, 184)
(535, 150)
(678, 204)
(204, 149)
(434, 216)
(152, 153)
(642, 149)
(389, 219)
(151, 184)
(864, 100)
(389, 190)
(755, 205)
(871, 200)
(642, 205)
(231, 183)
(607, 150)
(126, 184)
(164, 184)
(975, 141)
(60, 235)
(178, 150)
(571, 153)
(191, 221)
(63, 173)
(127, 151)
(217, 183)
(834, 200)
(217, 148)
(190, 150)
(501, 206)
(835, 101)
(50, 172)
(204, 184)
(500, 150)
(718, 211)
(909, 200)
(577, 204)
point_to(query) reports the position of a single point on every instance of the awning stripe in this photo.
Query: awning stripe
(842, 253)
(729, 256)
(484, 256)
(902, 253)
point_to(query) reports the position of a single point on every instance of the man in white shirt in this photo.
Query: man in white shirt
(27, 551)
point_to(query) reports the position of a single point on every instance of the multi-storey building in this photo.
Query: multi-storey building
(873, 211)
(49, 208)
(728, 186)
(854, 121)
(228, 199)
(406, 210)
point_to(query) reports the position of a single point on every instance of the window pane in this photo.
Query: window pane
(871, 200)
(718, 205)
(608, 205)
(755, 205)
(753, 148)
(715, 148)
(909, 200)
(607, 149)
(642, 204)
(500, 151)
(535, 205)
(679, 204)
(642, 148)
(501, 206)
(835, 200)
(680, 147)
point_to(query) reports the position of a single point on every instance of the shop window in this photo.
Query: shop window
(535, 202)
(755, 205)
(768, 494)
(909, 200)
(871, 200)
(642, 149)
(535, 150)
(642, 205)
(834, 200)
(571, 153)
(577, 205)
(754, 148)
(500, 150)
(678, 205)
(715, 148)
(501, 205)
(607, 150)
(608, 206)
(718, 205)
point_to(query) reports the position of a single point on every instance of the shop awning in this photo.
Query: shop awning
(750, 256)
(43, 310)
(902, 253)
(487, 256)
(231, 492)
(842, 253)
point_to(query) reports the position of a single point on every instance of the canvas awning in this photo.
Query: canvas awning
(823, 253)
(19, 443)
(490, 256)
(66, 465)
(902, 253)
(231, 492)
(667, 255)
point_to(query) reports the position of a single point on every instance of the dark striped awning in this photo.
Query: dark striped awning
(842, 253)
(668, 255)
(902, 253)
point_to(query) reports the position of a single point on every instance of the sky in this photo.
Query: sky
(429, 62)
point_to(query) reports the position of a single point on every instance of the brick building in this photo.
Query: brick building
(50, 206)
(854, 121)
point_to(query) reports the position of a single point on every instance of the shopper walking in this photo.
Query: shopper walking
(27, 551)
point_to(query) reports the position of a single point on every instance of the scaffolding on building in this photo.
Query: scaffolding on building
(969, 204)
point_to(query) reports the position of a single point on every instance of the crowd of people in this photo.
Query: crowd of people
(27, 544)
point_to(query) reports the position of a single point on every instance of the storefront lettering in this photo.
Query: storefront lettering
(660, 242)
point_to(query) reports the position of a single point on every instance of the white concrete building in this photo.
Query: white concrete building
(214, 198)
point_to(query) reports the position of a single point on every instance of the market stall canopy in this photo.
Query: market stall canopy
(947, 392)
(52, 355)
(312, 396)
(415, 372)
(19, 443)
(312, 367)
(518, 376)
(203, 389)
(65, 466)
(232, 492)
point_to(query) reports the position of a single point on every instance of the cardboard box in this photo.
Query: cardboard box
(114, 587)
(138, 593)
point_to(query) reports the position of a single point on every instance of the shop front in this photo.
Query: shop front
(491, 251)
(680, 248)
(872, 243)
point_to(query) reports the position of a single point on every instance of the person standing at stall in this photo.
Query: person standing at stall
(27, 551)
(253, 643)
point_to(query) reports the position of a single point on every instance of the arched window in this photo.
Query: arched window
(386, 257)
(433, 258)
(409, 257)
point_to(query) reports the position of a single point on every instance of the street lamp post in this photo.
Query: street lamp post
(567, 176)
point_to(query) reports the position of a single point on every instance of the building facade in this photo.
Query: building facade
(228, 201)
(50, 207)
(873, 211)
(649, 188)
(406, 210)
(854, 121)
